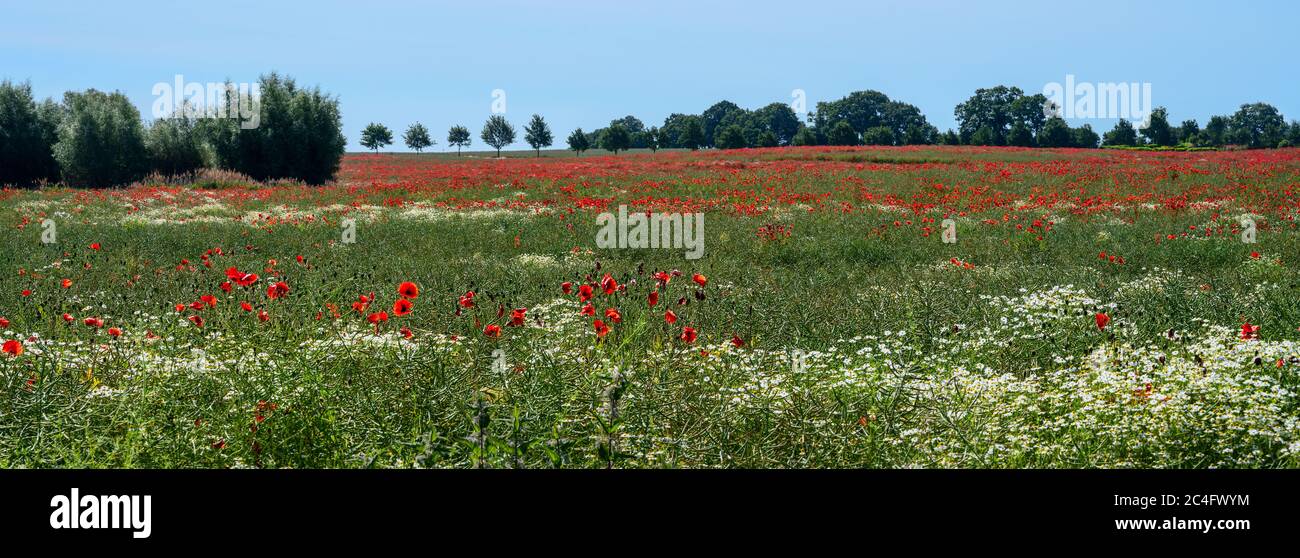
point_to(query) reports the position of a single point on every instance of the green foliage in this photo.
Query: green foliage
(731, 137)
(578, 142)
(375, 136)
(538, 134)
(101, 140)
(1157, 131)
(879, 135)
(1020, 136)
(1055, 133)
(417, 137)
(497, 132)
(1083, 136)
(767, 139)
(651, 138)
(842, 133)
(616, 138)
(175, 146)
(28, 132)
(459, 137)
(805, 136)
(1122, 134)
(1257, 125)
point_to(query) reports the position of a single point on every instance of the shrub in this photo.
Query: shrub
(28, 132)
(101, 140)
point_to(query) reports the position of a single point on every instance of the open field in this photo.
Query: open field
(1099, 309)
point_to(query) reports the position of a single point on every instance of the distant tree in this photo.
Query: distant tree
(921, 135)
(497, 132)
(616, 138)
(459, 137)
(376, 136)
(417, 137)
(767, 139)
(984, 136)
(712, 118)
(174, 145)
(538, 134)
(1188, 132)
(842, 134)
(861, 109)
(1215, 133)
(578, 142)
(1257, 125)
(805, 136)
(1020, 135)
(651, 139)
(1123, 134)
(635, 130)
(101, 140)
(879, 135)
(731, 137)
(1055, 133)
(28, 132)
(780, 120)
(692, 136)
(994, 108)
(951, 138)
(1083, 136)
(1293, 134)
(1157, 131)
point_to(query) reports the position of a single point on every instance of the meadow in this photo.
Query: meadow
(1099, 308)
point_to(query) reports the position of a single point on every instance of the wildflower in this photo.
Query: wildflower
(492, 330)
(737, 341)
(670, 317)
(114, 332)
(402, 307)
(567, 287)
(517, 317)
(93, 322)
(1249, 331)
(197, 321)
(245, 306)
(4, 322)
(601, 328)
(67, 283)
(584, 293)
(263, 316)
(210, 300)
(688, 334)
(1102, 320)
(653, 298)
(587, 310)
(467, 299)
(408, 290)
(13, 347)
(700, 279)
(277, 290)
(613, 315)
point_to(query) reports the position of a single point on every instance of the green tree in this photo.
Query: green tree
(692, 137)
(458, 136)
(1020, 135)
(497, 132)
(101, 140)
(1084, 137)
(879, 135)
(861, 109)
(983, 136)
(28, 132)
(1257, 125)
(1188, 132)
(1055, 133)
(174, 145)
(1157, 131)
(1122, 135)
(1215, 133)
(375, 136)
(780, 120)
(712, 119)
(616, 138)
(731, 137)
(767, 139)
(417, 137)
(538, 134)
(805, 136)
(997, 108)
(578, 142)
(652, 138)
(842, 133)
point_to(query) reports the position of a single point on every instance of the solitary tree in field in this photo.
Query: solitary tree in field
(692, 136)
(417, 137)
(537, 133)
(376, 136)
(578, 142)
(653, 139)
(459, 137)
(615, 139)
(498, 132)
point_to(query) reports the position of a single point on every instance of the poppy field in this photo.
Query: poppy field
(1097, 308)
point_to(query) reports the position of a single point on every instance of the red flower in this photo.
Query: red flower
(492, 330)
(584, 293)
(517, 317)
(180, 307)
(197, 320)
(406, 332)
(240, 278)
(277, 290)
(409, 290)
(608, 284)
(700, 279)
(662, 277)
(93, 322)
(115, 332)
(94, 246)
(196, 305)
(13, 347)
(226, 286)
(653, 299)
(402, 307)
(68, 318)
(688, 334)
(1249, 331)
(601, 329)
(588, 310)
(210, 300)
(567, 287)
(613, 315)
(377, 317)
(4, 322)
(67, 283)
(263, 316)
(246, 306)
(1254, 255)
(737, 341)
(467, 299)
(670, 317)
(27, 292)
(1102, 320)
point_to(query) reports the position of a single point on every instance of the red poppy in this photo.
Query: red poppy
(1102, 320)
(601, 329)
(246, 306)
(93, 322)
(653, 299)
(588, 310)
(467, 299)
(567, 287)
(115, 332)
(584, 293)
(277, 290)
(670, 317)
(27, 292)
(180, 307)
(94, 246)
(688, 334)
(13, 347)
(67, 283)
(608, 284)
(737, 341)
(662, 277)
(1249, 331)
(613, 315)
(700, 279)
(197, 320)
(377, 317)
(241, 278)
(210, 300)
(263, 316)
(402, 307)
(517, 317)
(197, 305)
(4, 322)
(492, 330)
(1254, 255)
(409, 290)
(68, 318)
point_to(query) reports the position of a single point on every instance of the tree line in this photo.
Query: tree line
(94, 138)
(97, 139)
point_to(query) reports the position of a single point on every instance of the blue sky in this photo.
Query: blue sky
(582, 63)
